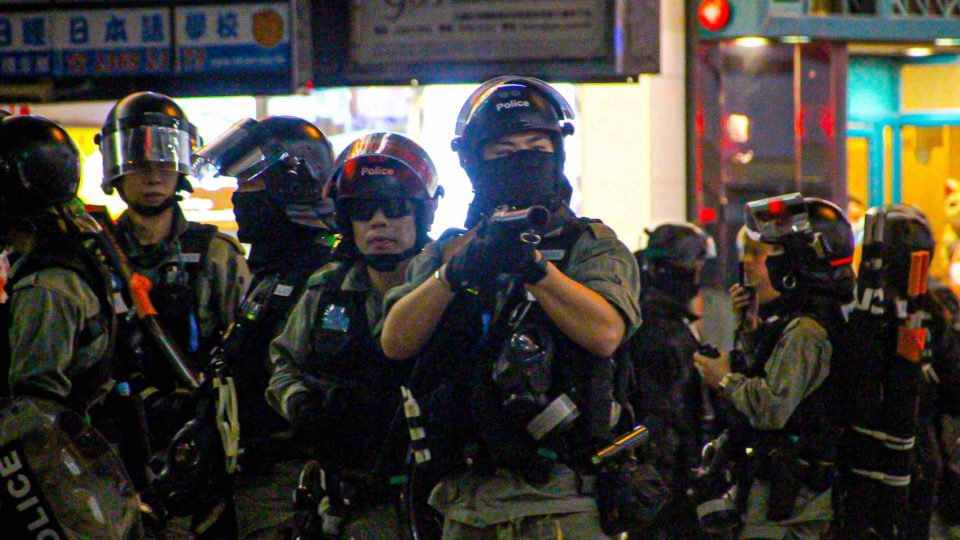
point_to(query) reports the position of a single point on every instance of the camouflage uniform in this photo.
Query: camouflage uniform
(503, 505)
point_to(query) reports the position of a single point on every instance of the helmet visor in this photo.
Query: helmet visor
(773, 219)
(416, 171)
(480, 95)
(242, 152)
(135, 147)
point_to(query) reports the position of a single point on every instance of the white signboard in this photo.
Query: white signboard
(430, 31)
(233, 37)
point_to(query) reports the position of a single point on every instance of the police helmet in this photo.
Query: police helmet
(385, 166)
(817, 240)
(62, 478)
(678, 245)
(509, 104)
(39, 165)
(147, 130)
(286, 157)
(905, 231)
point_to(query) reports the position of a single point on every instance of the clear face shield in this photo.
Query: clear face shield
(242, 152)
(135, 147)
(775, 219)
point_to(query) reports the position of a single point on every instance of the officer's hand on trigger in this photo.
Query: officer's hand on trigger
(711, 368)
(505, 251)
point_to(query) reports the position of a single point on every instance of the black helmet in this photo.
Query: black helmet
(669, 262)
(509, 104)
(905, 231)
(289, 157)
(816, 238)
(385, 166)
(144, 130)
(39, 165)
(679, 245)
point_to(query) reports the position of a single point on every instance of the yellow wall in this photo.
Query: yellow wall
(925, 87)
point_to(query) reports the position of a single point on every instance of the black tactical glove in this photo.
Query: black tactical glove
(467, 269)
(504, 251)
(313, 413)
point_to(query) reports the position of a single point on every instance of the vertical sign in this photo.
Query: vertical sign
(26, 45)
(233, 38)
(114, 42)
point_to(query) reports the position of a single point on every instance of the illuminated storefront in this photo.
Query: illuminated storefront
(839, 99)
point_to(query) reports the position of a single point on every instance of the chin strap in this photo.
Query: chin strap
(154, 210)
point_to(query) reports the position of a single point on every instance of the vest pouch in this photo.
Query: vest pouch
(174, 303)
(784, 472)
(523, 377)
(630, 495)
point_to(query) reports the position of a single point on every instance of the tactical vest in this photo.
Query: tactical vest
(814, 424)
(246, 353)
(175, 293)
(85, 384)
(466, 410)
(347, 362)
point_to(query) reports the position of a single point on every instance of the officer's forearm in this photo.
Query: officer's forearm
(581, 314)
(413, 319)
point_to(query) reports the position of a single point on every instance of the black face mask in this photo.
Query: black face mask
(521, 179)
(259, 219)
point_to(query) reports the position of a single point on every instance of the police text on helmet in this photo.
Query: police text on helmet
(512, 103)
(377, 171)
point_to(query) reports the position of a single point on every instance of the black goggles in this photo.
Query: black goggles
(364, 209)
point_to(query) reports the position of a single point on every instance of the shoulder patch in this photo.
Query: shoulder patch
(323, 275)
(231, 240)
(26, 281)
(601, 231)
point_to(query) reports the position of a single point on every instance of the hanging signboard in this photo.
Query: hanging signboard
(26, 45)
(426, 32)
(114, 42)
(233, 38)
(461, 41)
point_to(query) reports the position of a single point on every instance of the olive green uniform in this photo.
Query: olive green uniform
(504, 506)
(798, 366)
(294, 359)
(53, 311)
(219, 287)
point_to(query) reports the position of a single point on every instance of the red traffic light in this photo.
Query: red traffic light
(714, 14)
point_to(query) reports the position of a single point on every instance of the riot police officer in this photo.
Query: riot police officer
(906, 230)
(61, 320)
(338, 390)
(198, 274)
(670, 398)
(61, 337)
(787, 395)
(281, 213)
(480, 306)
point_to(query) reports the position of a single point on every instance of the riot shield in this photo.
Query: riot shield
(59, 478)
